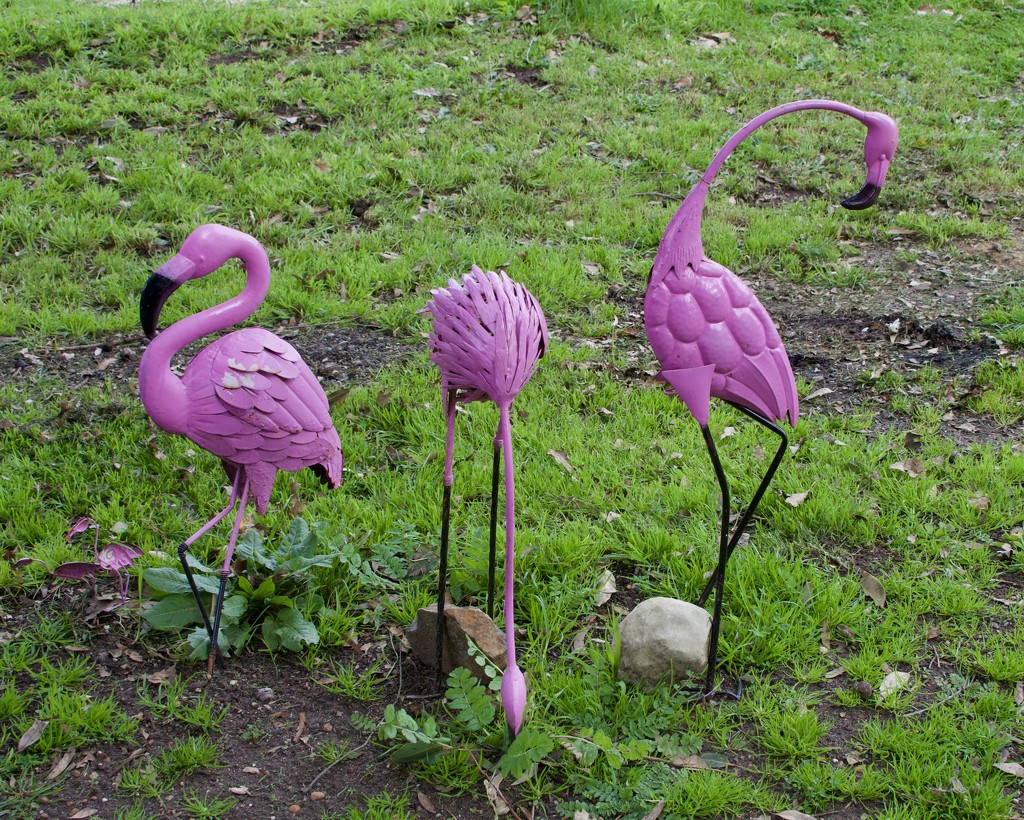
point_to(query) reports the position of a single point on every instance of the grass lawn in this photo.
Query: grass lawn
(377, 149)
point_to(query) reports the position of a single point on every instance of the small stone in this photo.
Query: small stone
(661, 637)
(266, 693)
(317, 796)
(864, 689)
(460, 622)
(294, 808)
(328, 727)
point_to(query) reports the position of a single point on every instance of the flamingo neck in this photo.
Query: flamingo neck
(768, 116)
(162, 392)
(505, 431)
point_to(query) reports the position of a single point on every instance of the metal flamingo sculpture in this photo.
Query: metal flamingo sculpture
(488, 335)
(713, 337)
(247, 397)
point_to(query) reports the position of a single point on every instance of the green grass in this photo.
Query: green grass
(124, 128)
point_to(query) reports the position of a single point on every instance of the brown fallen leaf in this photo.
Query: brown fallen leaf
(81, 814)
(873, 588)
(300, 727)
(425, 802)
(978, 502)
(796, 499)
(562, 459)
(655, 813)
(793, 814)
(62, 764)
(1010, 768)
(817, 394)
(695, 762)
(912, 467)
(163, 676)
(606, 589)
(239, 790)
(32, 734)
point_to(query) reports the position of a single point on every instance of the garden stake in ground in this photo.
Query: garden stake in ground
(713, 337)
(248, 397)
(488, 335)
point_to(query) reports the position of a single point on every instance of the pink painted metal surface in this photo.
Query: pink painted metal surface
(247, 397)
(488, 334)
(708, 330)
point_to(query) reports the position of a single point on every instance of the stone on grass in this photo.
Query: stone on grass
(663, 637)
(461, 622)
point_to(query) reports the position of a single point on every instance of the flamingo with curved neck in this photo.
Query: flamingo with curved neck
(713, 338)
(248, 397)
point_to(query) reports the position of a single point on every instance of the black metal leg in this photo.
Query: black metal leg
(214, 643)
(752, 507)
(182, 553)
(492, 560)
(723, 556)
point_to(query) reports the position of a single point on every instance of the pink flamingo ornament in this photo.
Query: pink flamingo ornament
(713, 337)
(247, 397)
(488, 335)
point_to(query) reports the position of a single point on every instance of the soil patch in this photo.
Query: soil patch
(281, 730)
(338, 355)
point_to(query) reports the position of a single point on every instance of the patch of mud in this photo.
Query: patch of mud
(339, 356)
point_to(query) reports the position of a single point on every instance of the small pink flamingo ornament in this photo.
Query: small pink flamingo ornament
(713, 337)
(488, 335)
(247, 397)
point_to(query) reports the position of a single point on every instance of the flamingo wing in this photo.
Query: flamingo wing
(254, 402)
(487, 337)
(706, 315)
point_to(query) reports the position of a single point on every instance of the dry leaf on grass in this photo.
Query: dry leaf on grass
(562, 459)
(873, 588)
(1010, 768)
(32, 734)
(606, 589)
(796, 499)
(793, 814)
(655, 813)
(913, 467)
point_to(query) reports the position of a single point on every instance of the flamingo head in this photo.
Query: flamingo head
(879, 147)
(513, 697)
(206, 249)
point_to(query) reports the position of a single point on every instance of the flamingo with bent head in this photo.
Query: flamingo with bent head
(488, 335)
(713, 337)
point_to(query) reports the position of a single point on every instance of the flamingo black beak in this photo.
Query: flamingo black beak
(879, 147)
(868, 195)
(161, 284)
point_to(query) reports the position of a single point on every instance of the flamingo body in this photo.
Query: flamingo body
(701, 315)
(255, 403)
(488, 335)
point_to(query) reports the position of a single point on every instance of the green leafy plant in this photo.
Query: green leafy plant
(273, 590)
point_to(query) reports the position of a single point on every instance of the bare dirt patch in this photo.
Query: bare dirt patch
(274, 741)
(339, 355)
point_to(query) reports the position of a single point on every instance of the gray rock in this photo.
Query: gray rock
(663, 637)
(461, 622)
